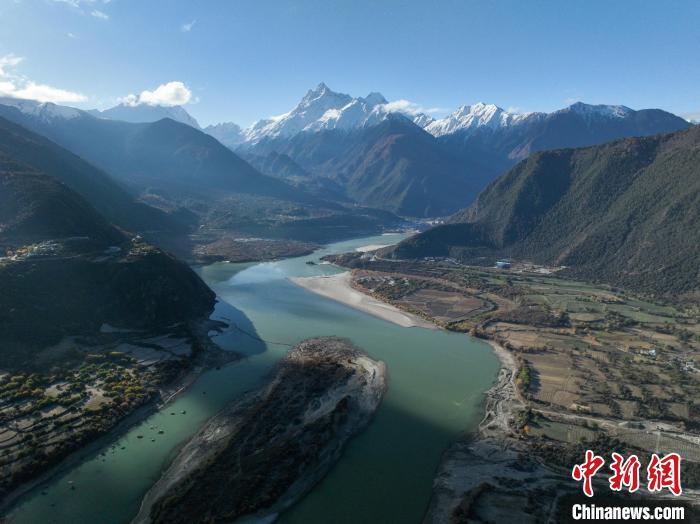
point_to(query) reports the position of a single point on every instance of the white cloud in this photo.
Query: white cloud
(17, 86)
(9, 61)
(99, 14)
(186, 28)
(410, 108)
(171, 94)
(71, 35)
(41, 93)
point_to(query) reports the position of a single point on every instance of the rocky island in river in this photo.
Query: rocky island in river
(268, 448)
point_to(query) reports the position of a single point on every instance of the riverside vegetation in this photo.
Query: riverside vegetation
(590, 366)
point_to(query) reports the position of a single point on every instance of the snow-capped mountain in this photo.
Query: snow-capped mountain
(227, 133)
(599, 110)
(45, 111)
(466, 118)
(322, 109)
(146, 113)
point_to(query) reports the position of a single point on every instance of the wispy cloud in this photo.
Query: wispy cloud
(693, 116)
(9, 61)
(99, 14)
(86, 7)
(71, 35)
(174, 93)
(186, 28)
(18, 86)
(410, 108)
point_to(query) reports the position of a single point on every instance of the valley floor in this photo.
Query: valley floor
(108, 384)
(583, 367)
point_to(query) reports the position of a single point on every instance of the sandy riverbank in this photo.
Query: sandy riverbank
(338, 288)
(482, 456)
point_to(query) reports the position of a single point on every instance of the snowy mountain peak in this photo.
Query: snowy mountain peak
(227, 133)
(323, 95)
(46, 111)
(609, 111)
(469, 118)
(375, 98)
(147, 113)
(322, 109)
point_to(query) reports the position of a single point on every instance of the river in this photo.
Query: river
(436, 385)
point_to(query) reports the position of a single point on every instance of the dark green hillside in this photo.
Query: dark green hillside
(36, 207)
(64, 270)
(626, 212)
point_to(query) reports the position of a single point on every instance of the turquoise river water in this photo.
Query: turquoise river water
(436, 384)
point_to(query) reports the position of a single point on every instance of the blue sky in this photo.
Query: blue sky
(243, 60)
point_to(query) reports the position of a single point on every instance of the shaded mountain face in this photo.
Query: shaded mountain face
(35, 207)
(144, 113)
(196, 179)
(168, 154)
(93, 185)
(69, 267)
(282, 166)
(626, 212)
(394, 165)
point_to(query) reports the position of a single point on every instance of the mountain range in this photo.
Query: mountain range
(417, 166)
(336, 148)
(190, 178)
(625, 212)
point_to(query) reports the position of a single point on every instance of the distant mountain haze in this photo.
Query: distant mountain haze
(199, 181)
(146, 113)
(362, 149)
(114, 202)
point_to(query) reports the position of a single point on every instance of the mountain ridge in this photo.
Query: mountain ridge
(625, 212)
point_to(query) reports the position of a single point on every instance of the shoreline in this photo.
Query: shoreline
(337, 287)
(500, 399)
(166, 395)
(469, 460)
(229, 433)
